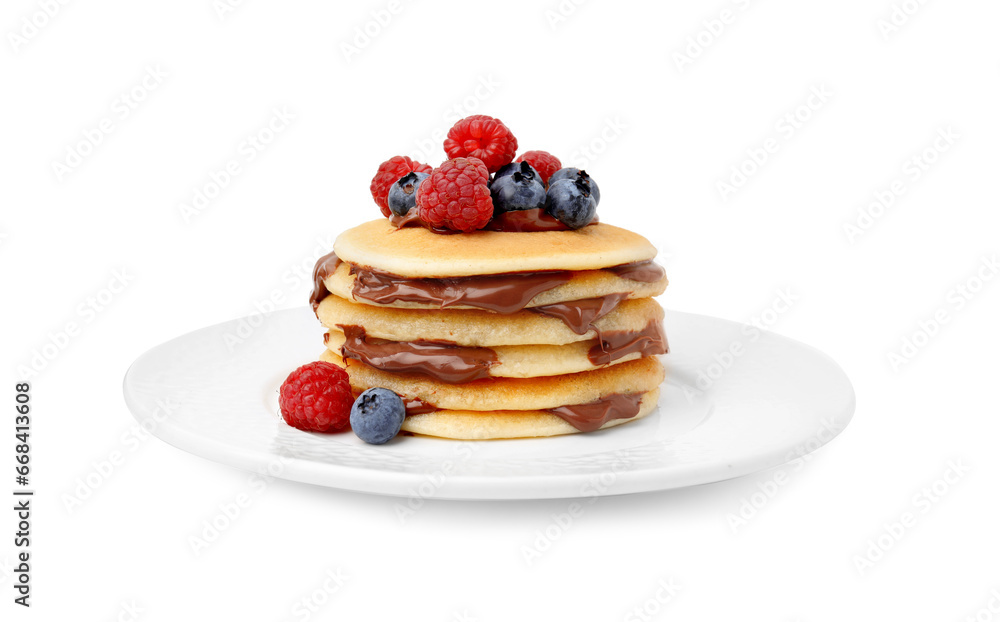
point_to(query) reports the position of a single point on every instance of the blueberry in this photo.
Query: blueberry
(517, 167)
(571, 202)
(403, 193)
(575, 173)
(377, 415)
(517, 189)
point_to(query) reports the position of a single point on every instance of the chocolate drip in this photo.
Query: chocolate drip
(417, 406)
(412, 405)
(325, 266)
(590, 417)
(412, 219)
(642, 271)
(579, 315)
(502, 293)
(442, 360)
(614, 345)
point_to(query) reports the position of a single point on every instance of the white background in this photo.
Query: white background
(670, 134)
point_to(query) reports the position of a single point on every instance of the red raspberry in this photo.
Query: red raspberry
(456, 196)
(317, 398)
(389, 173)
(543, 162)
(483, 137)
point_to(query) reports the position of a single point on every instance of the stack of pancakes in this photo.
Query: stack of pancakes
(497, 334)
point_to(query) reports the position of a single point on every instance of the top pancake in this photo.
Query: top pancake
(420, 253)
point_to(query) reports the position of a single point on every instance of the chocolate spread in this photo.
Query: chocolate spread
(512, 222)
(412, 219)
(579, 315)
(325, 266)
(642, 271)
(443, 360)
(526, 220)
(590, 417)
(412, 405)
(454, 364)
(417, 406)
(502, 293)
(613, 345)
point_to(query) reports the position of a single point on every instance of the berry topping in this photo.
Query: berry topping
(317, 398)
(575, 173)
(483, 137)
(403, 193)
(571, 202)
(516, 187)
(389, 173)
(456, 196)
(377, 415)
(543, 162)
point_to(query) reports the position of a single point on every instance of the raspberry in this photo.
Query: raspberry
(483, 137)
(389, 173)
(456, 196)
(317, 398)
(543, 162)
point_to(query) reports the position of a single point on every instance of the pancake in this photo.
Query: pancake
(527, 361)
(474, 327)
(418, 252)
(639, 376)
(581, 285)
(479, 425)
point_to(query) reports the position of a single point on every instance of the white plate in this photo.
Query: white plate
(213, 393)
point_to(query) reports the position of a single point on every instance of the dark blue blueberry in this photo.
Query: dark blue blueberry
(518, 189)
(403, 193)
(516, 167)
(575, 173)
(377, 415)
(570, 201)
